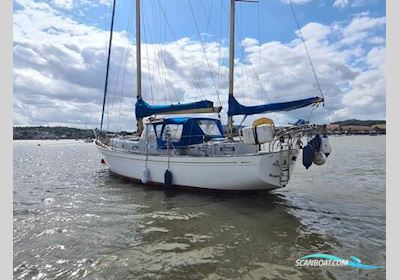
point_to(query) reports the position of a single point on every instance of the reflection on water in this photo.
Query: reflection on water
(75, 219)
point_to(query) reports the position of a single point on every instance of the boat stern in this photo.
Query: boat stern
(276, 168)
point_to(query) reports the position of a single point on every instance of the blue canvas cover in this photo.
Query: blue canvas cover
(191, 133)
(235, 108)
(144, 109)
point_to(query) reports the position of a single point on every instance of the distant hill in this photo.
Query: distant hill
(60, 132)
(47, 132)
(360, 122)
(357, 127)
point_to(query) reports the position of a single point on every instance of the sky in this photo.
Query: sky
(60, 53)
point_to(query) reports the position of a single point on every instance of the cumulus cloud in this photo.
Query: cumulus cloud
(369, 87)
(362, 28)
(59, 69)
(340, 3)
(297, 1)
(352, 3)
(71, 4)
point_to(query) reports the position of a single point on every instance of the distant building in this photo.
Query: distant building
(332, 127)
(357, 129)
(379, 126)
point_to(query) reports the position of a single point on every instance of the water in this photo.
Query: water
(74, 219)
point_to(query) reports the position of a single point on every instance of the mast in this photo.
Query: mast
(138, 66)
(231, 62)
(108, 65)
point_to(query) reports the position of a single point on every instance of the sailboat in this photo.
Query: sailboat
(194, 152)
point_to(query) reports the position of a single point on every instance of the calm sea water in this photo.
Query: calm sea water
(74, 219)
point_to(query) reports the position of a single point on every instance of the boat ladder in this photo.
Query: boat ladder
(285, 168)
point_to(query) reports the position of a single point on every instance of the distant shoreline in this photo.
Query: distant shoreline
(51, 133)
(70, 139)
(346, 127)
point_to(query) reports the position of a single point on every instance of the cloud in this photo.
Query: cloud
(63, 4)
(315, 31)
(299, 2)
(340, 3)
(368, 89)
(351, 3)
(361, 28)
(59, 69)
(71, 4)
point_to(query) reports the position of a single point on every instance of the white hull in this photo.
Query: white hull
(261, 171)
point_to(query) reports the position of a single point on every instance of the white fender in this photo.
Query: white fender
(326, 147)
(319, 158)
(145, 175)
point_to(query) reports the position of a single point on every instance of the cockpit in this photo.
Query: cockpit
(182, 132)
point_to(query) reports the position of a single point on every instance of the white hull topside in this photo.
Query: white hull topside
(259, 171)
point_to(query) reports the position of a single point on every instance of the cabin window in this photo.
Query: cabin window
(175, 130)
(158, 129)
(149, 132)
(209, 128)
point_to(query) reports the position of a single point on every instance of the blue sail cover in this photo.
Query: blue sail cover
(235, 108)
(144, 109)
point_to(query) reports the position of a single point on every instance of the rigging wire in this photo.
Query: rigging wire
(123, 60)
(147, 52)
(164, 72)
(153, 37)
(308, 114)
(108, 10)
(259, 37)
(263, 90)
(250, 66)
(163, 54)
(121, 67)
(219, 52)
(258, 76)
(164, 69)
(158, 71)
(125, 64)
(240, 40)
(158, 55)
(308, 54)
(204, 50)
(108, 66)
(197, 86)
(208, 15)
